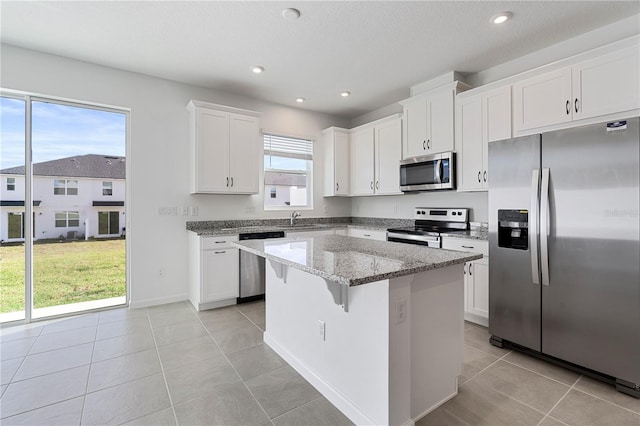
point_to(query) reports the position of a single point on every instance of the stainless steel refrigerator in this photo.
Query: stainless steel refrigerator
(564, 247)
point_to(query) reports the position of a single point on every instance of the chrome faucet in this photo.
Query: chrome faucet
(294, 215)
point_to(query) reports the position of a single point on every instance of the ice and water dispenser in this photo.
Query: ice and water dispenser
(513, 229)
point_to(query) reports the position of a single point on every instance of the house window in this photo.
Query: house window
(107, 188)
(65, 187)
(15, 222)
(108, 223)
(67, 219)
(288, 164)
(11, 184)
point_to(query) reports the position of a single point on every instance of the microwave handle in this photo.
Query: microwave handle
(439, 171)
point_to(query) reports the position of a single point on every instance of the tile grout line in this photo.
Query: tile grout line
(560, 400)
(300, 406)
(21, 363)
(231, 364)
(538, 373)
(164, 376)
(86, 386)
(607, 401)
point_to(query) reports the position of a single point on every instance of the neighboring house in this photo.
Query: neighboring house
(285, 189)
(73, 197)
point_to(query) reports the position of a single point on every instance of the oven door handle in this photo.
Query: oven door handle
(413, 237)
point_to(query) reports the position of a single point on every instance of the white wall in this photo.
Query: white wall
(158, 158)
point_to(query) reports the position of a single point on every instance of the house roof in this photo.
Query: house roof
(284, 179)
(88, 166)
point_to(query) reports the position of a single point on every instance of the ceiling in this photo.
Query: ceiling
(374, 49)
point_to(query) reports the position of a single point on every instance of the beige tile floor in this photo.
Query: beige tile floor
(170, 365)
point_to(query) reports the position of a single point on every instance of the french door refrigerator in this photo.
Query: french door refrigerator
(564, 274)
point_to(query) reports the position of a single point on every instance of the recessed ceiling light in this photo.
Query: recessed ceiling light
(291, 14)
(299, 100)
(501, 17)
(345, 94)
(257, 69)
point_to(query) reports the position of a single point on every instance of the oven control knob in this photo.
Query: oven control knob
(423, 212)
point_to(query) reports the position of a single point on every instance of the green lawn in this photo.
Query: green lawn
(64, 272)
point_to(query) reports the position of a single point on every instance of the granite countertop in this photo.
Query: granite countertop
(473, 234)
(353, 261)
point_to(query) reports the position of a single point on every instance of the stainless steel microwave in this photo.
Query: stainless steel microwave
(431, 172)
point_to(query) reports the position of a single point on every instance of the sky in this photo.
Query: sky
(58, 131)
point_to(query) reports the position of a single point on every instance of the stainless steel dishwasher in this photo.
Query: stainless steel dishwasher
(252, 268)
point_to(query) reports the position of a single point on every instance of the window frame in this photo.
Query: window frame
(108, 188)
(67, 218)
(12, 184)
(68, 186)
(308, 172)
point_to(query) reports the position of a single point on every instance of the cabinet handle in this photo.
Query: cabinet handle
(423, 143)
(227, 181)
(568, 107)
(366, 235)
(428, 141)
(464, 269)
(469, 247)
(371, 185)
(470, 269)
(576, 104)
(219, 242)
(377, 184)
(337, 186)
(485, 175)
(232, 181)
(479, 174)
(219, 252)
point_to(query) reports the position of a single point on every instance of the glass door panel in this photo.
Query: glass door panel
(78, 168)
(12, 209)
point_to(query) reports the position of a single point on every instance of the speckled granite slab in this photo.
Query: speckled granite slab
(353, 261)
(473, 234)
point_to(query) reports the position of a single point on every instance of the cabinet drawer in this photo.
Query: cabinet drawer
(368, 233)
(464, 244)
(218, 242)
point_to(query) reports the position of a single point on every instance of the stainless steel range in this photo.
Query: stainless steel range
(430, 222)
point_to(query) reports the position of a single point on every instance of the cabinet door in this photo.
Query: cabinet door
(362, 176)
(497, 114)
(342, 169)
(414, 141)
(328, 149)
(542, 101)
(212, 150)
(388, 143)
(478, 288)
(469, 143)
(244, 150)
(220, 275)
(606, 85)
(440, 122)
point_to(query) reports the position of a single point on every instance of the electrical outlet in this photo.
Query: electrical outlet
(185, 211)
(161, 272)
(395, 208)
(401, 311)
(321, 330)
(325, 208)
(194, 210)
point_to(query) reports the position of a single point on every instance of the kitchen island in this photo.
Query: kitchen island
(375, 326)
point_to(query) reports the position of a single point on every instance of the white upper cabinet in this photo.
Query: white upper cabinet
(607, 84)
(375, 157)
(362, 161)
(335, 142)
(225, 149)
(388, 151)
(429, 121)
(480, 118)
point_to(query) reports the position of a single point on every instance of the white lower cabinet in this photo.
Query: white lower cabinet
(476, 278)
(213, 271)
(371, 234)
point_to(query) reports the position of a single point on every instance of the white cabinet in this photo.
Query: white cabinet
(480, 119)
(335, 142)
(604, 85)
(225, 149)
(213, 271)
(428, 121)
(476, 278)
(375, 157)
(371, 234)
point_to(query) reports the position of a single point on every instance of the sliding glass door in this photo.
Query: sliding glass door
(74, 257)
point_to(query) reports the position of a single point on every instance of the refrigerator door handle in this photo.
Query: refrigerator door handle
(544, 227)
(533, 225)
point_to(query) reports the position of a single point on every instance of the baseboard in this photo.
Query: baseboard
(213, 305)
(158, 301)
(447, 398)
(476, 319)
(344, 405)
